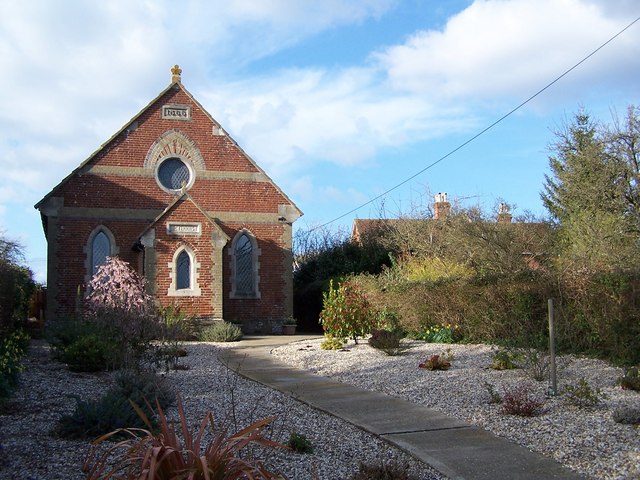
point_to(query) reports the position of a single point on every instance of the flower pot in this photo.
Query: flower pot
(289, 329)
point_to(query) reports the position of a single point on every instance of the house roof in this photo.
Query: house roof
(176, 83)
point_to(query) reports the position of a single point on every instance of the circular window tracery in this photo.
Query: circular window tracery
(174, 174)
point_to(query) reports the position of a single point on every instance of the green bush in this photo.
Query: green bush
(630, 380)
(91, 353)
(113, 410)
(387, 342)
(332, 343)
(299, 443)
(221, 332)
(583, 395)
(504, 360)
(346, 311)
(12, 348)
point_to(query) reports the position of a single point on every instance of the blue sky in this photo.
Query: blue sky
(337, 100)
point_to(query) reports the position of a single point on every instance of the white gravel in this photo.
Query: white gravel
(29, 452)
(585, 440)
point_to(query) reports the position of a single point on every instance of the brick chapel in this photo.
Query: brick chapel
(175, 196)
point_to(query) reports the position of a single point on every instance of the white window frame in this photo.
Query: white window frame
(194, 271)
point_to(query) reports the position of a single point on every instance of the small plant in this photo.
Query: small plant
(382, 471)
(504, 360)
(435, 362)
(438, 334)
(113, 410)
(520, 400)
(221, 332)
(387, 342)
(177, 451)
(299, 443)
(290, 321)
(332, 343)
(630, 380)
(627, 415)
(536, 363)
(494, 396)
(583, 395)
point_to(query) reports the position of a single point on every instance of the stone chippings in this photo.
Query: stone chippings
(588, 441)
(28, 451)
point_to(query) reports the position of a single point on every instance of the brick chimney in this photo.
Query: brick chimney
(503, 214)
(441, 207)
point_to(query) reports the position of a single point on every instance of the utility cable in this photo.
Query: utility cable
(483, 131)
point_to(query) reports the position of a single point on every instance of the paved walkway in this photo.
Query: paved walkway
(455, 448)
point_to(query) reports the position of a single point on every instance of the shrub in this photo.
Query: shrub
(520, 400)
(583, 395)
(176, 325)
(536, 363)
(346, 311)
(494, 396)
(221, 332)
(118, 301)
(113, 410)
(332, 343)
(90, 353)
(626, 414)
(504, 360)
(435, 362)
(387, 342)
(176, 451)
(630, 380)
(382, 471)
(299, 443)
(12, 348)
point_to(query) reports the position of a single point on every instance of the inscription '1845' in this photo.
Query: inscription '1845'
(177, 112)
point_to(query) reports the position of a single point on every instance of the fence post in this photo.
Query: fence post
(553, 390)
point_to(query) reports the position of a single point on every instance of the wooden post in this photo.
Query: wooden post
(553, 390)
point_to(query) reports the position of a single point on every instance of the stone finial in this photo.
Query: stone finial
(176, 71)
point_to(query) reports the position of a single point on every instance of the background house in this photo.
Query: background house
(172, 194)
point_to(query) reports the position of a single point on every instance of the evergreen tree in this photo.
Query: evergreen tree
(592, 193)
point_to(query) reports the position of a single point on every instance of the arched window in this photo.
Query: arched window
(183, 271)
(100, 250)
(245, 266)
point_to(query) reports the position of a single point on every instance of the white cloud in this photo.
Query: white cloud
(495, 49)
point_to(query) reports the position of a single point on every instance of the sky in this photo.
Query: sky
(338, 101)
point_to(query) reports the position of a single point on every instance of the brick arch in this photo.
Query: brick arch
(174, 143)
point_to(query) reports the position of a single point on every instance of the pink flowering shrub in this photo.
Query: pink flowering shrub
(118, 302)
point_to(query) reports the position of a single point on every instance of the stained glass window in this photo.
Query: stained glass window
(183, 271)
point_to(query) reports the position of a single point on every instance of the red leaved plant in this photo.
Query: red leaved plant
(435, 362)
(164, 456)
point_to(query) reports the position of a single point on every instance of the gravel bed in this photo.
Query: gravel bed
(29, 452)
(586, 440)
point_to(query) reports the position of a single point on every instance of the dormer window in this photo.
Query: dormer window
(173, 175)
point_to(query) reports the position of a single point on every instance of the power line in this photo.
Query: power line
(483, 131)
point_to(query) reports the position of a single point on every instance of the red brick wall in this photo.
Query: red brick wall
(88, 191)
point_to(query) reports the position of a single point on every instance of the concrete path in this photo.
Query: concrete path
(455, 448)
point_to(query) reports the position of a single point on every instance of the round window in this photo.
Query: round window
(174, 174)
